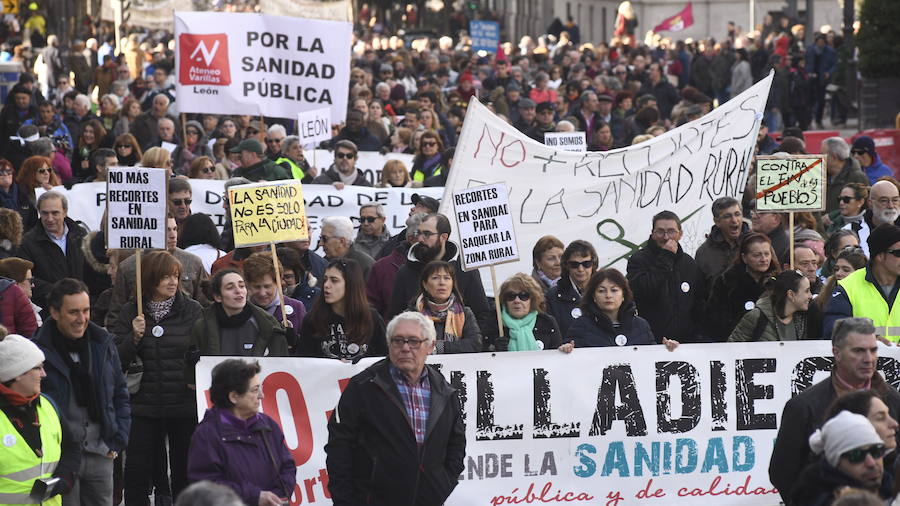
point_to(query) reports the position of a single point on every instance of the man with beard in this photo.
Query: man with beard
(884, 203)
(871, 292)
(434, 244)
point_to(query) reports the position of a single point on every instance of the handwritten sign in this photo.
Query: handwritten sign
(485, 226)
(790, 183)
(566, 141)
(136, 206)
(314, 126)
(263, 213)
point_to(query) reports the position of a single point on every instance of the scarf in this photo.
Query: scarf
(273, 306)
(234, 321)
(521, 331)
(159, 309)
(549, 283)
(79, 372)
(15, 398)
(450, 312)
(10, 199)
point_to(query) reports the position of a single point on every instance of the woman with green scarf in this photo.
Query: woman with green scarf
(526, 325)
(455, 324)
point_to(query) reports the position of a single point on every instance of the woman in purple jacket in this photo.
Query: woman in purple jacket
(236, 445)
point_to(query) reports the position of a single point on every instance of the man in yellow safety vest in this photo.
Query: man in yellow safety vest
(39, 455)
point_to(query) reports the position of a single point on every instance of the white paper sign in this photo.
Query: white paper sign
(137, 204)
(314, 126)
(485, 226)
(566, 141)
(277, 66)
(168, 146)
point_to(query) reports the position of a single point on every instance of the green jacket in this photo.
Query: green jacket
(750, 328)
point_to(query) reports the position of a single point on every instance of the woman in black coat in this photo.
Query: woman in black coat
(610, 315)
(163, 407)
(736, 291)
(579, 263)
(526, 327)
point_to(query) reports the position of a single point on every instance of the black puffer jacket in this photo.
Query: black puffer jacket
(733, 294)
(562, 303)
(163, 392)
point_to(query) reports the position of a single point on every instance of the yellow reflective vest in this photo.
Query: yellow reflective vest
(19, 466)
(867, 302)
(296, 171)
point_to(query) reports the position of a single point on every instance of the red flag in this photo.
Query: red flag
(678, 22)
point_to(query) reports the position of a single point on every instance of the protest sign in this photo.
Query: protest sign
(485, 226)
(621, 425)
(136, 205)
(790, 183)
(485, 35)
(566, 141)
(258, 64)
(267, 213)
(609, 198)
(314, 126)
(369, 162)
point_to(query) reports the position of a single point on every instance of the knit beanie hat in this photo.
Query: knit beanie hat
(17, 355)
(846, 431)
(865, 143)
(882, 238)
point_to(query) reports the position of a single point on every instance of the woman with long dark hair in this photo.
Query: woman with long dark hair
(341, 325)
(783, 313)
(440, 300)
(35, 172)
(93, 136)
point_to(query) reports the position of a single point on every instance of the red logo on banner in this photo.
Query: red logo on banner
(203, 59)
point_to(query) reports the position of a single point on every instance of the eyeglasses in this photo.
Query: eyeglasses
(324, 238)
(523, 296)
(251, 131)
(274, 141)
(348, 156)
(665, 233)
(193, 132)
(208, 170)
(845, 199)
(426, 233)
(858, 151)
(44, 170)
(587, 264)
(886, 200)
(895, 252)
(367, 219)
(181, 202)
(859, 454)
(123, 146)
(6, 172)
(414, 343)
(429, 144)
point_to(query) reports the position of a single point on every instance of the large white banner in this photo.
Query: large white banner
(608, 198)
(87, 201)
(612, 426)
(260, 64)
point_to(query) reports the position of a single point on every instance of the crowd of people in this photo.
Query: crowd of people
(115, 372)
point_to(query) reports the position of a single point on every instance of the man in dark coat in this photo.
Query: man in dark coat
(855, 355)
(397, 436)
(53, 246)
(668, 287)
(434, 244)
(18, 108)
(723, 241)
(343, 171)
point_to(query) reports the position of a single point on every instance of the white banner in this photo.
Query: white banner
(613, 426)
(137, 204)
(609, 198)
(260, 64)
(88, 200)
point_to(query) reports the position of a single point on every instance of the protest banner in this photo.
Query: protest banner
(314, 127)
(616, 426)
(485, 35)
(369, 162)
(566, 141)
(609, 198)
(87, 201)
(261, 65)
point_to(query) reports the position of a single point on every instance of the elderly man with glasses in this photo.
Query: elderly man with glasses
(410, 420)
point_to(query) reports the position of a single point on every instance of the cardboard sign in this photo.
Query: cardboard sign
(485, 226)
(485, 35)
(566, 141)
(790, 183)
(136, 205)
(263, 213)
(314, 126)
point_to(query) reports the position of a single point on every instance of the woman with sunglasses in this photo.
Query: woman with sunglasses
(127, 150)
(35, 172)
(849, 260)
(430, 159)
(203, 167)
(783, 313)
(195, 144)
(526, 325)
(440, 300)
(341, 325)
(851, 212)
(9, 190)
(579, 262)
(609, 315)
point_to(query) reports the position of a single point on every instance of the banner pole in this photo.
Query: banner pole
(137, 280)
(791, 235)
(497, 301)
(284, 318)
(184, 130)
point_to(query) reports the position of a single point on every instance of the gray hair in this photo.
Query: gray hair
(721, 204)
(342, 226)
(207, 493)
(163, 120)
(382, 85)
(236, 181)
(289, 142)
(42, 147)
(83, 100)
(276, 129)
(112, 98)
(565, 126)
(53, 194)
(413, 222)
(836, 147)
(843, 327)
(379, 209)
(416, 317)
